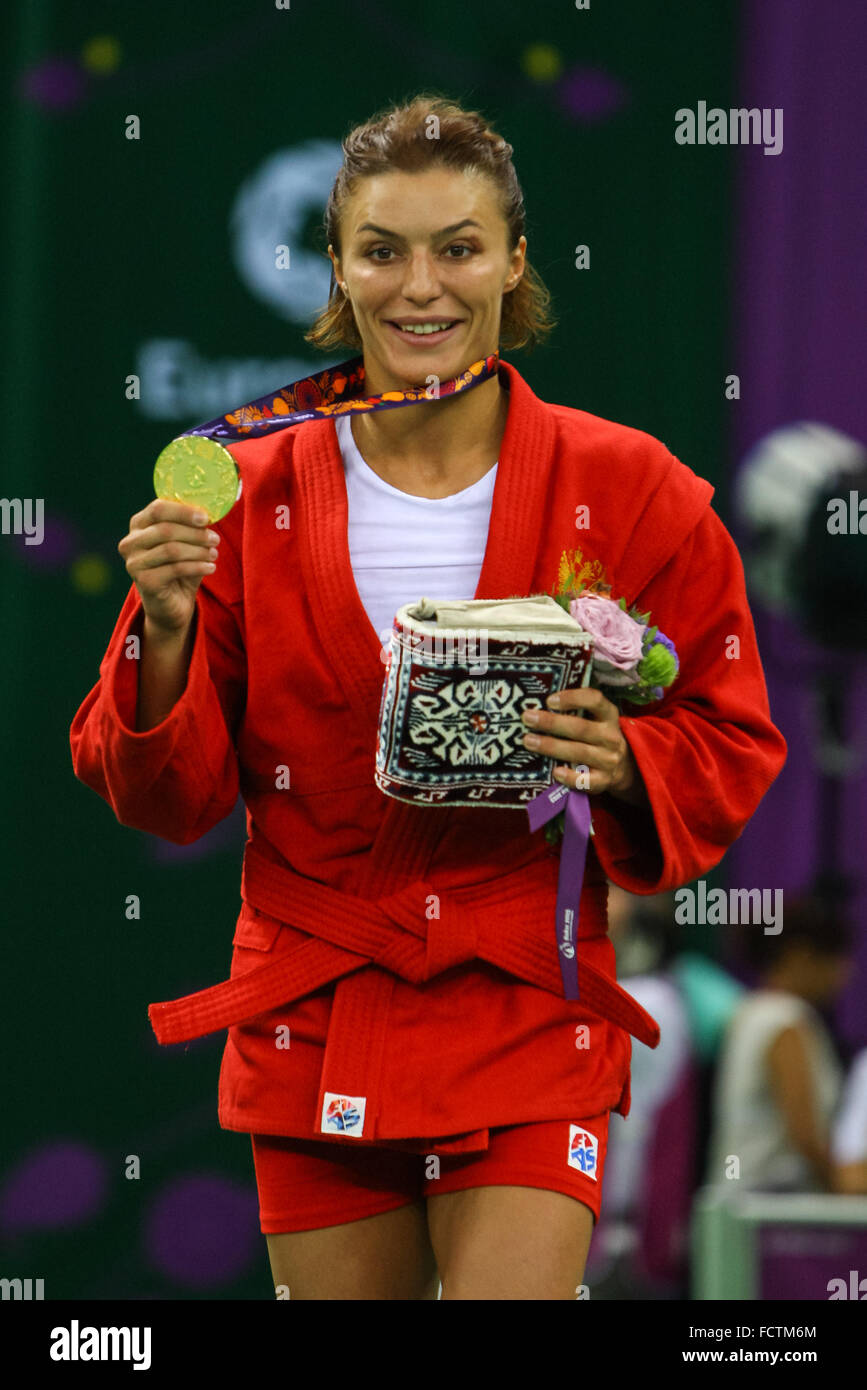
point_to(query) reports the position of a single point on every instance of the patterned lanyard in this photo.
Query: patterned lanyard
(334, 391)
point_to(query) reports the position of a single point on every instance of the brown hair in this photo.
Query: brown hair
(396, 138)
(820, 924)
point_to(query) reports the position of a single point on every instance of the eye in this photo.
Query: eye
(459, 246)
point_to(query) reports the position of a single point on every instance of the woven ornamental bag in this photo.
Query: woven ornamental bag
(459, 676)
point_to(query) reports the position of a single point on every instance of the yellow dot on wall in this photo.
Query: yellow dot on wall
(90, 574)
(101, 54)
(542, 62)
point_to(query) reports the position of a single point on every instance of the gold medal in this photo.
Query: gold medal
(199, 472)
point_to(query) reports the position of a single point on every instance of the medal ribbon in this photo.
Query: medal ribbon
(334, 391)
(573, 857)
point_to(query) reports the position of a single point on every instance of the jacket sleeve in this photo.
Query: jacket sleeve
(178, 779)
(708, 750)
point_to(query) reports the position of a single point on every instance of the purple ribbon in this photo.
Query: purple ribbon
(573, 857)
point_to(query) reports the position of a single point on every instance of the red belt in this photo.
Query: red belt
(394, 933)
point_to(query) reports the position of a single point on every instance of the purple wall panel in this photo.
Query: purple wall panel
(800, 349)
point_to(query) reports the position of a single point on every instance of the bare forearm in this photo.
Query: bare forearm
(163, 668)
(850, 1178)
(818, 1156)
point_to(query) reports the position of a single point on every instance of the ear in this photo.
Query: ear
(516, 265)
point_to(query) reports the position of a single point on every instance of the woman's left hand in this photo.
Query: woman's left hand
(589, 738)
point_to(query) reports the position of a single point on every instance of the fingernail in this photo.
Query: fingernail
(213, 537)
(531, 740)
(531, 716)
(199, 518)
(553, 701)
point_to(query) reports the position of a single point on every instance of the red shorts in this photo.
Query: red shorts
(304, 1184)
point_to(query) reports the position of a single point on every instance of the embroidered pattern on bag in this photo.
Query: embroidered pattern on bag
(460, 741)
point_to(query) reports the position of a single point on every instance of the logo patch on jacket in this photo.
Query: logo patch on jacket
(343, 1114)
(577, 572)
(583, 1151)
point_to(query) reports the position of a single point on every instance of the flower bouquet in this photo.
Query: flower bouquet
(632, 660)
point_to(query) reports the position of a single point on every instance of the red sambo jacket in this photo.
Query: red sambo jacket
(429, 1026)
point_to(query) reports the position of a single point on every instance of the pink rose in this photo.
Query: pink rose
(616, 637)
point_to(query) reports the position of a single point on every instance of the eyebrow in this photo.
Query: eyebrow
(444, 231)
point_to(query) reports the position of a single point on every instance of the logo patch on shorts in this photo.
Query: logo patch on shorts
(583, 1151)
(343, 1114)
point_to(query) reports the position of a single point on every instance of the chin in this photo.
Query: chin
(416, 362)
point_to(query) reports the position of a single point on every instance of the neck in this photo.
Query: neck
(444, 445)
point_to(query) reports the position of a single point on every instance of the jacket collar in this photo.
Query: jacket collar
(517, 517)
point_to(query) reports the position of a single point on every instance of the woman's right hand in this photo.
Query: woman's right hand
(167, 555)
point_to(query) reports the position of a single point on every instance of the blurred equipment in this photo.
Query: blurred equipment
(806, 555)
(801, 496)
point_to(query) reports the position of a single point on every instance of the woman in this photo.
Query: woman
(443, 1120)
(779, 1080)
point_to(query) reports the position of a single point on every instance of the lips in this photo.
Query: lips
(439, 337)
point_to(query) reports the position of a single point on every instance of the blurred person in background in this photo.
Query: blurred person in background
(849, 1138)
(779, 1081)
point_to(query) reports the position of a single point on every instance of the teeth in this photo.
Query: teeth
(423, 327)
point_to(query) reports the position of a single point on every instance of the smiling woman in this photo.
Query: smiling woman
(425, 1105)
(432, 133)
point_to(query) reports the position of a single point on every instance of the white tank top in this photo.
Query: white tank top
(746, 1120)
(404, 548)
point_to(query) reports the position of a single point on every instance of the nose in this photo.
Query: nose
(421, 281)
